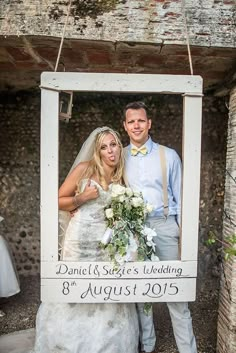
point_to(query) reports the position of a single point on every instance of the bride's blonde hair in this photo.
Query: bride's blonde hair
(95, 166)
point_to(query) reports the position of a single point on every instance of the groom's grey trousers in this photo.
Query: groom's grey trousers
(167, 249)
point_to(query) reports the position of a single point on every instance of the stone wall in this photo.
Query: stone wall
(19, 164)
(210, 22)
(19, 178)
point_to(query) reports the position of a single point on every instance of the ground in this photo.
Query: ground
(20, 311)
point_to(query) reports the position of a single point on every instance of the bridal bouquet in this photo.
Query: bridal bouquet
(127, 238)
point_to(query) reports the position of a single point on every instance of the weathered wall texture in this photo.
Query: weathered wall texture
(19, 163)
(135, 36)
(226, 342)
(210, 22)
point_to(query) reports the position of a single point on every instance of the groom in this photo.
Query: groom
(145, 168)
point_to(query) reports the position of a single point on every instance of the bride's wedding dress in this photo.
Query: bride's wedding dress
(86, 328)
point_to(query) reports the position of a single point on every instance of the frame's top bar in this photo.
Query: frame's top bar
(124, 83)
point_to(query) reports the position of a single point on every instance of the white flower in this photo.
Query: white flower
(109, 213)
(117, 190)
(119, 259)
(137, 201)
(150, 236)
(150, 233)
(152, 245)
(121, 198)
(132, 244)
(131, 250)
(149, 208)
(154, 258)
(107, 236)
(129, 192)
(129, 256)
(137, 193)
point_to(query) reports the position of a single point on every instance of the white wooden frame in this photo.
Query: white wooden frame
(139, 282)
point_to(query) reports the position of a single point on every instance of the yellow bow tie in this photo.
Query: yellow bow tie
(135, 151)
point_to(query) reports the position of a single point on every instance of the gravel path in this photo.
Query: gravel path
(20, 311)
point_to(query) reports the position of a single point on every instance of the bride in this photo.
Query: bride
(88, 328)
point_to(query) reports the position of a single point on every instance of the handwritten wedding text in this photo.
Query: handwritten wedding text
(97, 271)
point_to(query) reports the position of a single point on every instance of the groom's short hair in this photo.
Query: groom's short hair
(135, 105)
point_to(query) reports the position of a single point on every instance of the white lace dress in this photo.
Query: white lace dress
(86, 328)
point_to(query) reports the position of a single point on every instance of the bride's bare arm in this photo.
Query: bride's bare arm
(67, 200)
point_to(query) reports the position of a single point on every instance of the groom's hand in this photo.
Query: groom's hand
(91, 191)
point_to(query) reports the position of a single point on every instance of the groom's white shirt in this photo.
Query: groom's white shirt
(143, 173)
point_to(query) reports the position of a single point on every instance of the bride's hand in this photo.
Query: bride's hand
(90, 191)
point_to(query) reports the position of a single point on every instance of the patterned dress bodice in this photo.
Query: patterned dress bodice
(86, 228)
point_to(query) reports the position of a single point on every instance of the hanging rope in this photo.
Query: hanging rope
(63, 35)
(185, 28)
(187, 37)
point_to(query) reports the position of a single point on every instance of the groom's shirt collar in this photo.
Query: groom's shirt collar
(148, 144)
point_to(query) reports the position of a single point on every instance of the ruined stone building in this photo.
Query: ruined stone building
(128, 36)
